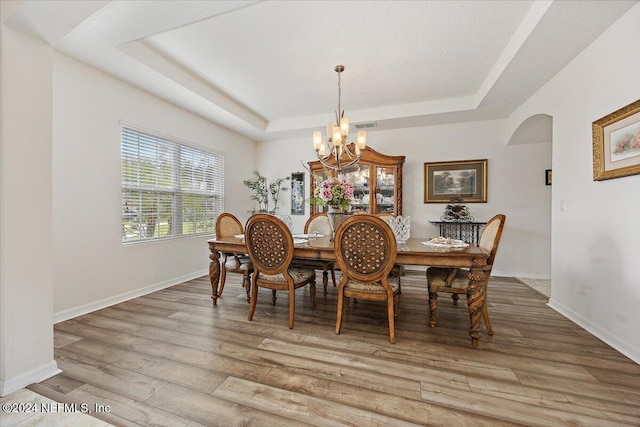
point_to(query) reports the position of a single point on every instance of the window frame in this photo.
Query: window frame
(170, 188)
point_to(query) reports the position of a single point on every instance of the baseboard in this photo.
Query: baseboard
(595, 330)
(33, 376)
(538, 276)
(61, 316)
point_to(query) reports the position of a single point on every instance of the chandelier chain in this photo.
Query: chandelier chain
(339, 98)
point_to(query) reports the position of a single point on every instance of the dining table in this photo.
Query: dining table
(414, 251)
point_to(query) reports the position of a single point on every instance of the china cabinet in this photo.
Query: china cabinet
(377, 182)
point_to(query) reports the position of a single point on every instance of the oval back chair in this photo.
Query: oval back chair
(319, 223)
(365, 249)
(227, 225)
(270, 246)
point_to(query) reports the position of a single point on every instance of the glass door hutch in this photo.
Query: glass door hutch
(377, 182)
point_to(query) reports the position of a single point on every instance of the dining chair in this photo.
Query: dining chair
(398, 270)
(456, 280)
(365, 249)
(227, 225)
(319, 223)
(270, 246)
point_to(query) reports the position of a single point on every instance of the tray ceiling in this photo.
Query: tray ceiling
(265, 69)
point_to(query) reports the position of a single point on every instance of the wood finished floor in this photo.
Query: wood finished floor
(171, 358)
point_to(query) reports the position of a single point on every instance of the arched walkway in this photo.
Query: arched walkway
(536, 129)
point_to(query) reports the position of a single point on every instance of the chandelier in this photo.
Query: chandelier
(335, 152)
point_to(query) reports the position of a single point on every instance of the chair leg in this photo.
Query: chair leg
(455, 297)
(254, 298)
(246, 282)
(333, 276)
(433, 307)
(396, 305)
(396, 271)
(273, 299)
(391, 316)
(340, 308)
(325, 280)
(312, 291)
(292, 306)
(347, 300)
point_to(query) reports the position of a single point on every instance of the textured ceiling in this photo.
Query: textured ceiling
(265, 69)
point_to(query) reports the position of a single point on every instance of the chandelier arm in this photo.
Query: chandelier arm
(325, 163)
(350, 154)
(351, 162)
(344, 149)
(338, 165)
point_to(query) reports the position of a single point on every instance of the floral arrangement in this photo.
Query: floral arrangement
(333, 192)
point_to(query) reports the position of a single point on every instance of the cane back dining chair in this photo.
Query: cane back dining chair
(456, 280)
(270, 246)
(365, 249)
(318, 223)
(227, 225)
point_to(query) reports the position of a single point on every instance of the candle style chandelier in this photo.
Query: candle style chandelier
(335, 153)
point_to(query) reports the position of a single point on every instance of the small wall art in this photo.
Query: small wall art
(297, 193)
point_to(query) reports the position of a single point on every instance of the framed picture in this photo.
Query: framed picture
(547, 177)
(616, 143)
(297, 193)
(464, 179)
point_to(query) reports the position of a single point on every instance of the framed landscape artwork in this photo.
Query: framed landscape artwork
(616, 143)
(463, 179)
(297, 193)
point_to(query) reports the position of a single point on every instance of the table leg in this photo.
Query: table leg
(475, 298)
(433, 308)
(214, 273)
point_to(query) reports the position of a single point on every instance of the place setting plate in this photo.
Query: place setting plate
(445, 242)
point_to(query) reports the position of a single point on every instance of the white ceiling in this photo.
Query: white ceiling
(266, 69)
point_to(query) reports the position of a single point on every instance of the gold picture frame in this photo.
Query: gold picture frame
(462, 179)
(616, 143)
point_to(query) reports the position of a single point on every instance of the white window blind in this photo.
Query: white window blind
(169, 189)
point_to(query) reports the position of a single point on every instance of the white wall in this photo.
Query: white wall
(91, 267)
(516, 184)
(26, 272)
(596, 224)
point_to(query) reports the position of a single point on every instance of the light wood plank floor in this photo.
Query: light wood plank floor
(171, 358)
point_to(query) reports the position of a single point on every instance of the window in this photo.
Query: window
(169, 189)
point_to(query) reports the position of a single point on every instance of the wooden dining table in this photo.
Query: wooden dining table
(413, 252)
